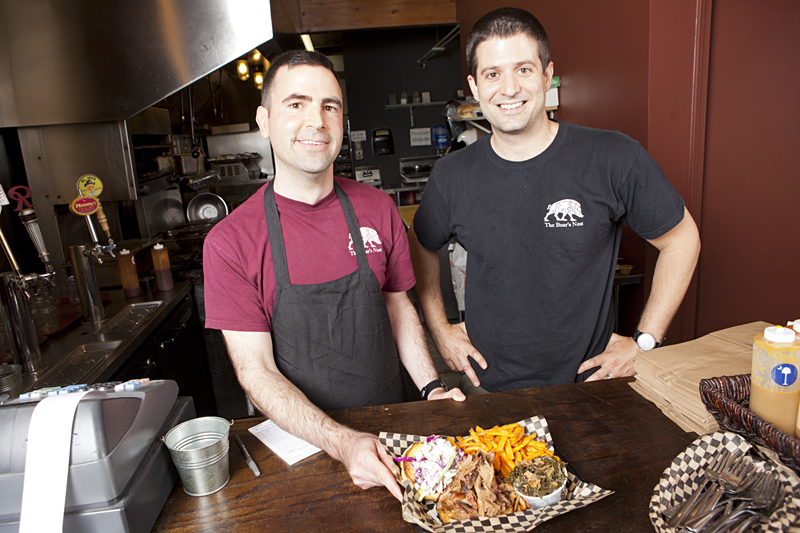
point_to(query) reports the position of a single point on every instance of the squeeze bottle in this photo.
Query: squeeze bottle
(774, 387)
(161, 267)
(128, 274)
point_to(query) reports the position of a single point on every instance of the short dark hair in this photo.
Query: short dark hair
(506, 22)
(291, 59)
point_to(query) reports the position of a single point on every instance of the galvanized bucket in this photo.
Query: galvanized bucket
(199, 449)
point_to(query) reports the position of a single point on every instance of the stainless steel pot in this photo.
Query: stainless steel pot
(206, 207)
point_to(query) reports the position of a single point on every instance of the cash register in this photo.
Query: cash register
(120, 473)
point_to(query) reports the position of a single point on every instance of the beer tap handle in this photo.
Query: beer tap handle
(9, 254)
(101, 218)
(31, 223)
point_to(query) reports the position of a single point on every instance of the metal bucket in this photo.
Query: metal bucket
(199, 449)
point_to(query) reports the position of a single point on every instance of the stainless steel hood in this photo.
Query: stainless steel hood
(76, 61)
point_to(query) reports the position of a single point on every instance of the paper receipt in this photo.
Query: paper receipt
(288, 447)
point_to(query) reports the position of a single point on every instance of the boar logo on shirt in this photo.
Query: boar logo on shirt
(372, 243)
(563, 209)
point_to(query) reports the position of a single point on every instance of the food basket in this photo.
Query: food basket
(727, 399)
(685, 475)
(577, 494)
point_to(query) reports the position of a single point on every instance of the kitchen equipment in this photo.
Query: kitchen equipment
(163, 208)
(242, 142)
(203, 180)
(416, 170)
(206, 207)
(242, 166)
(369, 175)
(119, 472)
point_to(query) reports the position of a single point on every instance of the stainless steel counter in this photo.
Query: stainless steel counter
(121, 343)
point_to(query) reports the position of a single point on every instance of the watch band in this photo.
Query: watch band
(435, 384)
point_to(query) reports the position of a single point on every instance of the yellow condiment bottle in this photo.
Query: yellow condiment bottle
(774, 383)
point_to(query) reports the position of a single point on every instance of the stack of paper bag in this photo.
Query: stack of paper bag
(670, 376)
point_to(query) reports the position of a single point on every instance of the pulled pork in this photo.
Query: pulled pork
(474, 492)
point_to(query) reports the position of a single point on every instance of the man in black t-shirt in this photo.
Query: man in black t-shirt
(539, 206)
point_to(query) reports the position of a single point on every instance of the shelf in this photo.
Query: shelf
(417, 104)
(411, 107)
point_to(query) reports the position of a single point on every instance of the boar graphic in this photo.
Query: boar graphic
(370, 238)
(563, 209)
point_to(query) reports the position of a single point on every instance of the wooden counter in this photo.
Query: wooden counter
(612, 436)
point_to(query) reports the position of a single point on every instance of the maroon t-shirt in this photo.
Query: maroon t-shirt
(237, 259)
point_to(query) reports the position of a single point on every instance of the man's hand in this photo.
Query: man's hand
(454, 346)
(368, 463)
(616, 361)
(441, 394)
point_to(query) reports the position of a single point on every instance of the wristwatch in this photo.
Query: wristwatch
(435, 384)
(645, 341)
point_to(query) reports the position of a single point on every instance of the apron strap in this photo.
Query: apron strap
(352, 225)
(276, 242)
(275, 234)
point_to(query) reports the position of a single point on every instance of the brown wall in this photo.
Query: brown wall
(751, 189)
(600, 51)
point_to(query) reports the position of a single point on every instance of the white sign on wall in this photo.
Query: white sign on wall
(420, 136)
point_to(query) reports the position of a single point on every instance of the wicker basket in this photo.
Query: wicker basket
(727, 398)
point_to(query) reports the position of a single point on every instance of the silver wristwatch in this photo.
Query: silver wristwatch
(645, 341)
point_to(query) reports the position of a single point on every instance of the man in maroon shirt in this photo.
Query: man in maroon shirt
(307, 281)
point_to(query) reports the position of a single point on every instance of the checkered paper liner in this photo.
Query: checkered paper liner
(682, 478)
(577, 493)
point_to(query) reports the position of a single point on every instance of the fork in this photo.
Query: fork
(730, 479)
(729, 476)
(678, 514)
(763, 496)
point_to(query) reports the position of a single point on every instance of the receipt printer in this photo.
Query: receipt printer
(120, 473)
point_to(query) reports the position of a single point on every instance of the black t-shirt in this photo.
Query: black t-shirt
(542, 237)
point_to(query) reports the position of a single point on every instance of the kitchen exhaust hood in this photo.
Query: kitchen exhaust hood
(79, 61)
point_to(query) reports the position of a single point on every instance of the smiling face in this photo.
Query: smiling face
(304, 122)
(510, 85)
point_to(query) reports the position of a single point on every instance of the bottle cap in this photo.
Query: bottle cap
(158, 246)
(124, 252)
(794, 325)
(779, 334)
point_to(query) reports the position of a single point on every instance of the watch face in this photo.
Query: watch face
(646, 342)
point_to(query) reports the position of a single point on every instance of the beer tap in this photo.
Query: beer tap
(20, 330)
(86, 204)
(84, 256)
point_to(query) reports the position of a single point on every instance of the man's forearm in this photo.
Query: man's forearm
(280, 400)
(412, 347)
(428, 289)
(677, 258)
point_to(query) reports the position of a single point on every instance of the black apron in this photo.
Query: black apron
(333, 340)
